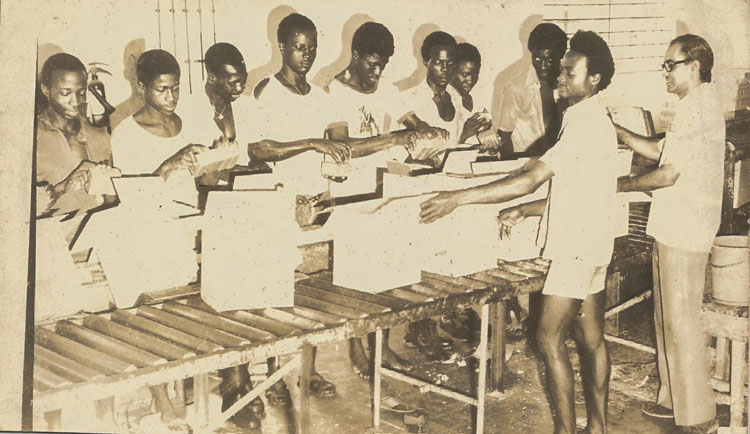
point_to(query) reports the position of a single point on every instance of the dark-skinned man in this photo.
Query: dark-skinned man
(575, 233)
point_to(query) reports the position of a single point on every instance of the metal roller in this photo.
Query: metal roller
(137, 338)
(270, 325)
(378, 299)
(463, 283)
(517, 269)
(315, 315)
(90, 357)
(108, 345)
(293, 319)
(168, 333)
(406, 294)
(64, 366)
(331, 297)
(487, 276)
(335, 309)
(47, 378)
(216, 321)
(188, 326)
(448, 287)
(429, 290)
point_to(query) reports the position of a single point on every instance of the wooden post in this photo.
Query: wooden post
(497, 315)
(200, 398)
(305, 370)
(737, 384)
(376, 380)
(482, 383)
(722, 358)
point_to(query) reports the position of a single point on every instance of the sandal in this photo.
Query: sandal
(320, 388)
(278, 395)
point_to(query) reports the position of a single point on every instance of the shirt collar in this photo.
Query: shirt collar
(531, 78)
(44, 119)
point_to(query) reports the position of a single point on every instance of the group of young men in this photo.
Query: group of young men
(551, 111)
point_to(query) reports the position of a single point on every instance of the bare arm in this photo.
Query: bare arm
(644, 146)
(664, 176)
(271, 150)
(503, 190)
(368, 145)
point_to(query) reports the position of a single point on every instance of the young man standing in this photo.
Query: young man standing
(366, 111)
(576, 233)
(529, 115)
(468, 64)
(687, 196)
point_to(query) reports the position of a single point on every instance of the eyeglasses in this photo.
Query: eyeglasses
(670, 64)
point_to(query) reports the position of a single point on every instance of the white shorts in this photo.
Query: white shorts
(573, 279)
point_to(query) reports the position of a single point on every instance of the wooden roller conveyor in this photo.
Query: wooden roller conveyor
(63, 366)
(317, 316)
(194, 339)
(191, 327)
(295, 319)
(81, 353)
(167, 333)
(137, 338)
(108, 345)
(217, 322)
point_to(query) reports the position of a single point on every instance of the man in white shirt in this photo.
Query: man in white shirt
(576, 233)
(529, 118)
(685, 216)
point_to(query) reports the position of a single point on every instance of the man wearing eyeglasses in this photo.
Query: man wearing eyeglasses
(684, 219)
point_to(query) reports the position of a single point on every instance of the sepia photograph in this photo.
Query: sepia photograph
(375, 217)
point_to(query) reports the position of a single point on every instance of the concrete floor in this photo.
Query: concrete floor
(523, 409)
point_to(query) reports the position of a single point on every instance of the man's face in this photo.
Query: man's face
(679, 79)
(466, 76)
(162, 93)
(441, 65)
(546, 65)
(299, 51)
(574, 81)
(230, 81)
(369, 67)
(66, 93)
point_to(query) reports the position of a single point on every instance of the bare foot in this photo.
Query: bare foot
(360, 362)
(394, 361)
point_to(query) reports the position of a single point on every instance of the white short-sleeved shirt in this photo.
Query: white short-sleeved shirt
(521, 110)
(418, 100)
(284, 116)
(578, 223)
(687, 214)
(463, 113)
(365, 115)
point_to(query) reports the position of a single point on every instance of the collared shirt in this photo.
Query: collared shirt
(581, 204)
(687, 214)
(418, 101)
(57, 156)
(521, 110)
(464, 114)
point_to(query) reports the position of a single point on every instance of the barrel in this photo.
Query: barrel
(730, 270)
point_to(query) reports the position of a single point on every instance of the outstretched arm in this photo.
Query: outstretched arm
(664, 176)
(503, 190)
(644, 146)
(271, 150)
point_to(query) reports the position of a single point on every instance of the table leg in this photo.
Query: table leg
(200, 399)
(737, 384)
(498, 345)
(305, 370)
(376, 377)
(722, 358)
(482, 383)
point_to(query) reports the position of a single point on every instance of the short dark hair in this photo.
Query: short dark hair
(598, 57)
(373, 38)
(465, 52)
(60, 62)
(153, 63)
(221, 54)
(291, 22)
(548, 36)
(696, 48)
(435, 39)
